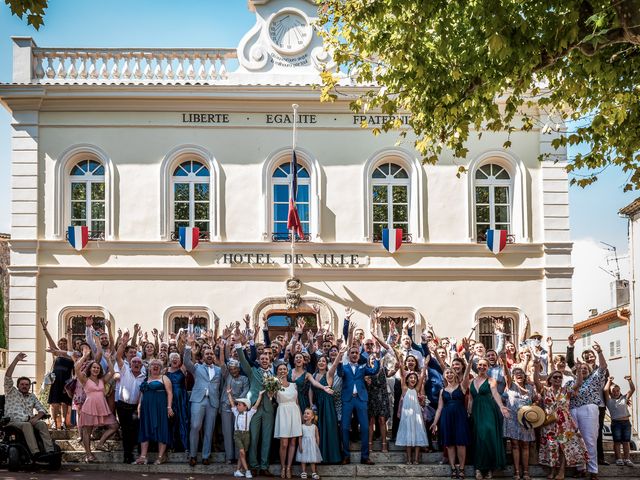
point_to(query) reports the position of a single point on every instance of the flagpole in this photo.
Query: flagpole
(293, 149)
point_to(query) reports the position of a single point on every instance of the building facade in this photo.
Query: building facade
(135, 143)
(632, 212)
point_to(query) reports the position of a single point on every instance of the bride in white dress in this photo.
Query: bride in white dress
(288, 423)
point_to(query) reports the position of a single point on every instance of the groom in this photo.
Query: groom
(261, 426)
(355, 397)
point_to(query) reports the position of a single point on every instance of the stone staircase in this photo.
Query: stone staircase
(387, 465)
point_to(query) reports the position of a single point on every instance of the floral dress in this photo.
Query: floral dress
(561, 436)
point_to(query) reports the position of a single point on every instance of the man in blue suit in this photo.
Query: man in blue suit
(355, 397)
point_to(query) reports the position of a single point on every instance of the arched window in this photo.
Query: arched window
(487, 327)
(281, 181)
(493, 191)
(87, 197)
(190, 197)
(390, 199)
(178, 320)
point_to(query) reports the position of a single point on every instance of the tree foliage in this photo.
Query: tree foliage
(459, 67)
(33, 9)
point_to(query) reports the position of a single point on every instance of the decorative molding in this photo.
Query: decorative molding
(89, 309)
(169, 312)
(63, 165)
(417, 204)
(444, 249)
(327, 315)
(520, 194)
(170, 161)
(307, 273)
(310, 162)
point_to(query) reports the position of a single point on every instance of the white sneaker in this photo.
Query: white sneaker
(620, 462)
(629, 463)
(238, 474)
(248, 474)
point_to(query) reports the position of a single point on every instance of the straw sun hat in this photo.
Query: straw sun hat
(531, 416)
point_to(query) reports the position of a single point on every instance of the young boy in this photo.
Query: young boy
(242, 411)
(620, 424)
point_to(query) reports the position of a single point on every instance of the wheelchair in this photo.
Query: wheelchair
(14, 452)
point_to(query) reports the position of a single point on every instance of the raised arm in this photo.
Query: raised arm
(121, 346)
(259, 400)
(317, 384)
(536, 376)
(467, 373)
(50, 340)
(244, 363)
(607, 386)
(20, 357)
(506, 370)
(632, 387)
(188, 362)
(602, 362)
(78, 366)
(571, 350)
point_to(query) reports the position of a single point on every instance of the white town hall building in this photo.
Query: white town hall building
(137, 142)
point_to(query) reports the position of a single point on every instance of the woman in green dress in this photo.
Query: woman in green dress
(487, 411)
(327, 418)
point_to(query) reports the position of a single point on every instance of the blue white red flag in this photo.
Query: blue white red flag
(293, 219)
(392, 239)
(496, 240)
(78, 236)
(189, 237)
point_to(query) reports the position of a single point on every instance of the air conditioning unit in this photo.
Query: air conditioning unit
(619, 293)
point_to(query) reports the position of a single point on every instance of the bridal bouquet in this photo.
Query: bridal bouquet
(272, 385)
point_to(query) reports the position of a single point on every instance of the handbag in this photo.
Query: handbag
(549, 419)
(70, 387)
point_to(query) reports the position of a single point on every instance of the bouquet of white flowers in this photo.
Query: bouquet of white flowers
(272, 385)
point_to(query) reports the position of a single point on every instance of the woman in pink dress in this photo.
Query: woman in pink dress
(95, 410)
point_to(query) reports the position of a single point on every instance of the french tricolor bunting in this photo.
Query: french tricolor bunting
(189, 237)
(78, 236)
(496, 240)
(392, 239)
(293, 219)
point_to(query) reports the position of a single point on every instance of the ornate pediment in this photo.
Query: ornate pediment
(284, 41)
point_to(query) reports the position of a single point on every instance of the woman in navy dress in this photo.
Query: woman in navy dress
(154, 411)
(452, 418)
(179, 423)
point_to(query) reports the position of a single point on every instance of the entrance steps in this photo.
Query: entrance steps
(388, 465)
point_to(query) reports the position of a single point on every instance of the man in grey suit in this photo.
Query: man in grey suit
(205, 399)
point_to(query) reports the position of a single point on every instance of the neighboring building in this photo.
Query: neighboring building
(632, 212)
(137, 142)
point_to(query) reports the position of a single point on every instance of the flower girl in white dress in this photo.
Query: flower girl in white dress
(308, 449)
(412, 433)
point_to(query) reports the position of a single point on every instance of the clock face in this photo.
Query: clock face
(290, 32)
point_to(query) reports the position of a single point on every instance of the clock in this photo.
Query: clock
(290, 31)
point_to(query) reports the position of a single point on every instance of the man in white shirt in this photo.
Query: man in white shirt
(131, 376)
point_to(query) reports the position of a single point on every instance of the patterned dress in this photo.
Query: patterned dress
(515, 398)
(561, 436)
(378, 395)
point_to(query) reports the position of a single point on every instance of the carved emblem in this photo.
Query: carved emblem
(293, 297)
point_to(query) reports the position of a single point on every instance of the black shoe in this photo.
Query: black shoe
(205, 461)
(128, 460)
(266, 473)
(346, 461)
(193, 461)
(367, 461)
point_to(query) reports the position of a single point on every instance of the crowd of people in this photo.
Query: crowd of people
(304, 396)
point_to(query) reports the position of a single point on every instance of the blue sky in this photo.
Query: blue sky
(221, 23)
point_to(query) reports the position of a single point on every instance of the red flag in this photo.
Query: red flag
(293, 219)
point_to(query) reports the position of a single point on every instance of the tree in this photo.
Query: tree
(499, 65)
(34, 9)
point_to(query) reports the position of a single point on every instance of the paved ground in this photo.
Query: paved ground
(69, 474)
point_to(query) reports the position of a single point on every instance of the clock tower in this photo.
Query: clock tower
(283, 45)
